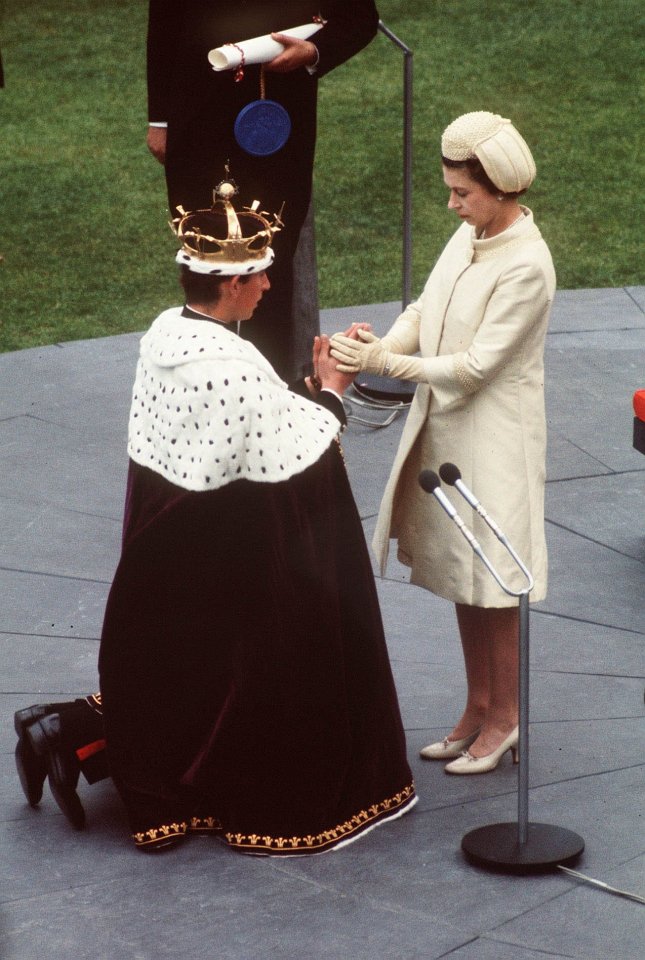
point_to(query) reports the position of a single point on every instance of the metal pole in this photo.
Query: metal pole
(407, 163)
(523, 742)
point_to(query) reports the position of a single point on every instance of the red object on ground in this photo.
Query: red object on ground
(639, 404)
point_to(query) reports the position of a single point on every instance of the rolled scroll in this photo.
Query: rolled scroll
(257, 50)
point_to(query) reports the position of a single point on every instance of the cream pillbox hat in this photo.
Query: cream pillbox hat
(495, 142)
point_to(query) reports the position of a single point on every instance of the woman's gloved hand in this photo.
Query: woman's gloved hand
(369, 354)
(355, 355)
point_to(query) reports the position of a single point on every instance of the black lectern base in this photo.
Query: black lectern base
(496, 847)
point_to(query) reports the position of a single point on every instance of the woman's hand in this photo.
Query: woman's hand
(361, 353)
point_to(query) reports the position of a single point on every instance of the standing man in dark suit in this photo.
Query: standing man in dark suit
(192, 112)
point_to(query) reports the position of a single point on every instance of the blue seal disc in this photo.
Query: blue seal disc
(262, 127)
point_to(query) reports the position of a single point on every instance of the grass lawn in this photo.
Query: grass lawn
(84, 228)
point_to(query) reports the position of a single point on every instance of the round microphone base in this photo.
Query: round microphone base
(496, 847)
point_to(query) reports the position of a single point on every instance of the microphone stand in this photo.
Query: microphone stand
(520, 847)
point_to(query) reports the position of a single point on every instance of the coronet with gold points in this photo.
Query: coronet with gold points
(220, 240)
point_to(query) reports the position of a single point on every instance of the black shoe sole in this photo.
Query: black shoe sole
(31, 773)
(62, 770)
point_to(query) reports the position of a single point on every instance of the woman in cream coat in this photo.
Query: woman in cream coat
(479, 326)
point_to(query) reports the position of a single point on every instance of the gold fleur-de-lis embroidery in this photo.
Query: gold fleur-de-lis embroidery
(312, 841)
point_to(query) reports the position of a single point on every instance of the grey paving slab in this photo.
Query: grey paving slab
(570, 646)
(588, 925)
(488, 948)
(369, 453)
(605, 308)
(566, 460)
(41, 666)
(638, 295)
(78, 469)
(589, 389)
(50, 605)
(221, 907)
(36, 537)
(590, 582)
(42, 380)
(608, 510)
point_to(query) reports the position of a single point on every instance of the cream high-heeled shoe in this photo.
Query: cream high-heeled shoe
(447, 749)
(466, 763)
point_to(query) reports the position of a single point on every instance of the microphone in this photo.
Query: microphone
(451, 475)
(429, 481)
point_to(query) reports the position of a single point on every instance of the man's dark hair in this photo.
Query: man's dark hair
(203, 287)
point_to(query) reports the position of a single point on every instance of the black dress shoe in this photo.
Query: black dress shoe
(31, 773)
(24, 718)
(31, 768)
(63, 767)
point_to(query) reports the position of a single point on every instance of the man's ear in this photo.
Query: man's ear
(232, 287)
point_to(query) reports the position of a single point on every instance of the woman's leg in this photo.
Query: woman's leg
(499, 628)
(476, 661)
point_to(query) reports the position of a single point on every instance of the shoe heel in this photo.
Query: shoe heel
(516, 754)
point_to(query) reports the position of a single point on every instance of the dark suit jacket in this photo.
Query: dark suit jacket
(200, 105)
(181, 32)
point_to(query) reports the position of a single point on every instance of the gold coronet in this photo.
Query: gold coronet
(220, 234)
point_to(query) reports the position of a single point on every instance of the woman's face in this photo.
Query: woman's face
(472, 202)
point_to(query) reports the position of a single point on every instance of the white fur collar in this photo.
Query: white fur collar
(208, 408)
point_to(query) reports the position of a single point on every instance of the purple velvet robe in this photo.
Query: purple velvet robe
(246, 682)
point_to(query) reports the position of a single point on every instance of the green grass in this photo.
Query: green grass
(83, 228)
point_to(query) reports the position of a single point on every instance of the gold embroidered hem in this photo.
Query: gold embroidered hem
(342, 833)
(158, 836)
(204, 825)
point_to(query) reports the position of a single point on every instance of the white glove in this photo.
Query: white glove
(354, 355)
(372, 357)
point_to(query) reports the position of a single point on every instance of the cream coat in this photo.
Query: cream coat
(480, 324)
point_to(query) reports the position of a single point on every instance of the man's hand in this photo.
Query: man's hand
(156, 141)
(297, 53)
(325, 367)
